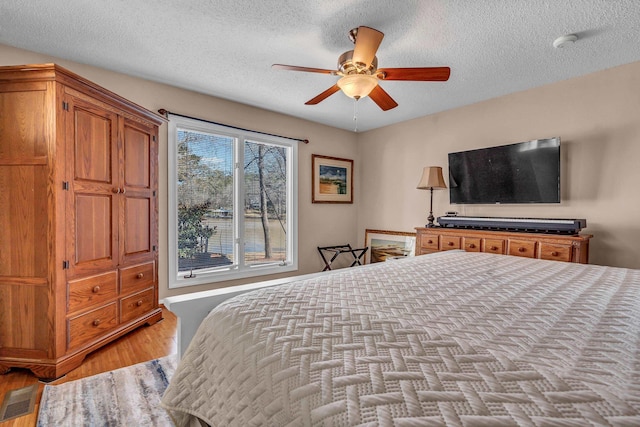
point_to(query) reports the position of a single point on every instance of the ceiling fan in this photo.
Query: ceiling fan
(360, 75)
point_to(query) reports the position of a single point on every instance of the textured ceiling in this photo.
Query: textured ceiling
(226, 48)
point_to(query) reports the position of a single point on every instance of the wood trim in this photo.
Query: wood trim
(51, 71)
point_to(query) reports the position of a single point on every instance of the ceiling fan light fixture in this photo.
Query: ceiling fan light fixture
(357, 85)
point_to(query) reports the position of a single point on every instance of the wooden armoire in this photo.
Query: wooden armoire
(78, 218)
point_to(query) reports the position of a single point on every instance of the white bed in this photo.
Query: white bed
(450, 339)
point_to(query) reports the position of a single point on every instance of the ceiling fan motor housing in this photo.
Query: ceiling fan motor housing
(346, 65)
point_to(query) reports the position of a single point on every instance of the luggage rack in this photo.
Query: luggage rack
(357, 254)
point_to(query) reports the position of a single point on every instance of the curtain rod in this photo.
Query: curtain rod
(166, 113)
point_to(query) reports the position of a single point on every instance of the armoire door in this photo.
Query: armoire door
(138, 226)
(92, 150)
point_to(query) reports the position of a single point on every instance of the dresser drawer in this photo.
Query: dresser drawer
(88, 326)
(136, 305)
(555, 252)
(429, 242)
(90, 291)
(523, 248)
(449, 242)
(494, 246)
(471, 244)
(566, 248)
(137, 277)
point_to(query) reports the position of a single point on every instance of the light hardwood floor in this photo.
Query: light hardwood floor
(143, 344)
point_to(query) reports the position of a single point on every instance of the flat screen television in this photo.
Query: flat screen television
(526, 172)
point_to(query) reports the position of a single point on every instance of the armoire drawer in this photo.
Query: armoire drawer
(136, 305)
(84, 328)
(137, 277)
(91, 291)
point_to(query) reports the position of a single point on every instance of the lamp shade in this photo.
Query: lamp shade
(357, 85)
(432, 179)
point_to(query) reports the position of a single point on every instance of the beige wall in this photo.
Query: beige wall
(319, 224)
(598, 119)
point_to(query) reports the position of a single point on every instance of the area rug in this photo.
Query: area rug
(125, 397)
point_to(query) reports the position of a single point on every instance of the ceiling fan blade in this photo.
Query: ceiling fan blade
(382, 98)
(324, 95)
(424, 74)
(306, 69)
(367, 42)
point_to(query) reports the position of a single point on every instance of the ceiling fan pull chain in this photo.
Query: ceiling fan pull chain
(355, 114)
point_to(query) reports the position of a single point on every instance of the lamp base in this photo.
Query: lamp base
(430, 219)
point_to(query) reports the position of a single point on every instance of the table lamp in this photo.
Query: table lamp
(431, 179)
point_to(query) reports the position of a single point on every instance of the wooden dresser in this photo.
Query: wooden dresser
(532, 245)
(78, 218)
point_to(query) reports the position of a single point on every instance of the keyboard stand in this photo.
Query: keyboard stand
(357, 254)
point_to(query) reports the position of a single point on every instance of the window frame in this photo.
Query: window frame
(238, 270)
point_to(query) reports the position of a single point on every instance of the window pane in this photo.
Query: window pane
(205, 200)
(265, 210)
(224, 185)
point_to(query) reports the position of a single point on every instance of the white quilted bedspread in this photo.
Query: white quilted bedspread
(458, 339)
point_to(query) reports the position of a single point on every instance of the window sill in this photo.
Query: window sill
(221, 276)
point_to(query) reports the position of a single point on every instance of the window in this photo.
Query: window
(232, 203)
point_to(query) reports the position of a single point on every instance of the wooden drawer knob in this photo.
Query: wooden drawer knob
(471, 245)
(429, 241)
(96, 322)
(95, 289)
(494, 248)
(554, 253)
(140, 275)
(450, 243)
(521, 249)
(139, 303)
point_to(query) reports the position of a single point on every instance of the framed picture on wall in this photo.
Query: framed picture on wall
(388, 244)
(331, 180)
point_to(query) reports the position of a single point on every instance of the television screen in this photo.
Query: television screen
(526, 172)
